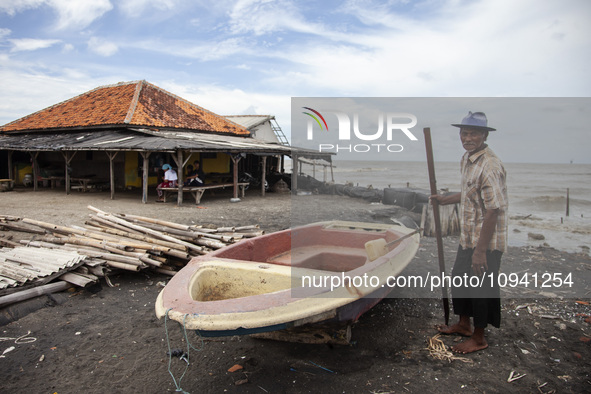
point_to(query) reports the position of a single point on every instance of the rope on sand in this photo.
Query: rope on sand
(189, 347)
(439, 351)
(22, 339)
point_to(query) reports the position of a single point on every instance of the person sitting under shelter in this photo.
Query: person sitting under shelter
(170, 180)
(195, 176)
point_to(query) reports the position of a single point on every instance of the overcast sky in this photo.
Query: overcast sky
(252, 56)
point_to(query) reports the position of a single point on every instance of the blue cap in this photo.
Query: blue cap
(166, 167)
(475, 120)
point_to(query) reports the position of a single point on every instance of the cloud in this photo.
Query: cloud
(78, 14)
(4, 32)
(137, 7)
(102, 47)
(70, 14)
(461, 49)
(264, 17)
(67, 48)
(203, 51)
(232, 101)
(12, 7)
(31, 44)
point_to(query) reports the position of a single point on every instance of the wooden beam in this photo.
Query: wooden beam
(235, 159)
(112, 172)
(34, 292)
(263, 175)
(311, 333)
(10, 164)
(145, 170)
(35, 169)
(68, 159)
(179, 174)
(294, 173)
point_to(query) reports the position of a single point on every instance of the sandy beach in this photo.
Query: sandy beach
(108, 339)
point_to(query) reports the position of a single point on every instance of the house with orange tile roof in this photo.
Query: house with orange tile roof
(122, 134)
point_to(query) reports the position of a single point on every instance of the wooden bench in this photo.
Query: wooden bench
(197, 191)
(6, 185)
(86, 184)
(53, 180)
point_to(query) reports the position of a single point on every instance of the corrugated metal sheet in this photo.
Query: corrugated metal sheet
(143, 140)
(249, 121)
(21, 265)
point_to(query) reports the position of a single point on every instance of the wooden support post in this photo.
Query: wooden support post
(179, 164)
(567, 202)
(294, 173)
(112, 172)
(263, 176)
(186, 160)
(235, 159)
(35, 169)
(145, 171)
(10, 164)
(68, 159)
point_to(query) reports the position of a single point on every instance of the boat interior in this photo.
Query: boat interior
(318, 248)
(335, 249)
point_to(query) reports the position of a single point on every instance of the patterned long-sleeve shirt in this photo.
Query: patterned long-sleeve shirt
(484, 187)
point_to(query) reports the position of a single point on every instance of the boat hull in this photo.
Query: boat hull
(309, 274)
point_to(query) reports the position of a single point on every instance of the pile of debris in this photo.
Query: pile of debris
(108, 243)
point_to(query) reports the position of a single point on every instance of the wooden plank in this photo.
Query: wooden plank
(197, 191)
(34, 292)
(79, 279)
(311, 333)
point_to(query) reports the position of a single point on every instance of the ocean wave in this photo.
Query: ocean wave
(547, 203)
(566, 225)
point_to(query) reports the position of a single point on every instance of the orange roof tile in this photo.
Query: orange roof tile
(136, 103)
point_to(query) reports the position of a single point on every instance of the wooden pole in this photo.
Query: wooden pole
(178, 159)
(263, 175)
(68, 158)
(34, 292)
(112, 172)
(433, 184)
(235, 159)
(331, 171)
(154, 233)
(145, 169)
(567, 201)
(11, 171)
(294, 173)
(35, 169)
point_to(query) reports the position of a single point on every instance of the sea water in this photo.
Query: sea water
(537, 195)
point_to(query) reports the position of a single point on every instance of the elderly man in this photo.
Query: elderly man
(483, 214)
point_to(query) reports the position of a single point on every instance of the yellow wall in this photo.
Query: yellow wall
(219, 164)
(131, 171)
(21, 171)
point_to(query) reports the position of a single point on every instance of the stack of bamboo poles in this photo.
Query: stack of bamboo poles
(133, 242)
(112, 242)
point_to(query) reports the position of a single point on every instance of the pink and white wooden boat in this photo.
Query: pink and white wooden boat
(314, 273)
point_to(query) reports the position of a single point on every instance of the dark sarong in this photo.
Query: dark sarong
(482, 301)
